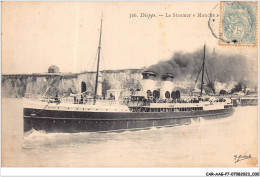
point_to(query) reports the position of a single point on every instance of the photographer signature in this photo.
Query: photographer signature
(241, 157)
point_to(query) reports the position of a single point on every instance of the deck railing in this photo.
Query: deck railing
(73, 100)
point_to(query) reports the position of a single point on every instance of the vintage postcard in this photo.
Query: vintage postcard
(129, 84)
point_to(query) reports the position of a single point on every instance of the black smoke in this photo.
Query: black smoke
(221, 67)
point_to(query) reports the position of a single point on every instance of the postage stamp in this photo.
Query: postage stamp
(238, 23)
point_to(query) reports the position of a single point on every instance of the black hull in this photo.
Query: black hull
(75, 121)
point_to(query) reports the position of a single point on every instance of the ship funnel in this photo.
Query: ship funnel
(148, 82)
(166, 85)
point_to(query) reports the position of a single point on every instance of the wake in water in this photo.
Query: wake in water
(34, 138)
(195, 120)
(33, 133)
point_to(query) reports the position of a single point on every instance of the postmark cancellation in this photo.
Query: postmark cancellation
(238, 23)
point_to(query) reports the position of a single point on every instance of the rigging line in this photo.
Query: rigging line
(92, 69)
(212, 68)
(199, 71)
(98, 61)
(42, 109)
(207, 74)
(198, 76)
(199, 65)
(103, 59)
(49, 86)
(106, 67)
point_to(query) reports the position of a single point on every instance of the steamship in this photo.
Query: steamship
(141, 110)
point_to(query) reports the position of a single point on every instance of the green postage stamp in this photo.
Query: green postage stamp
(238, 23)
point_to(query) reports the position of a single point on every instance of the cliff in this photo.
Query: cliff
(65, 83)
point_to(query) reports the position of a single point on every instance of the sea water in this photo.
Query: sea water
(202, 143)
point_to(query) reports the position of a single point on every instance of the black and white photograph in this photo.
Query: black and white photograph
(129, 84)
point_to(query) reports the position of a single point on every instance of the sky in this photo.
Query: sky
(36, 35)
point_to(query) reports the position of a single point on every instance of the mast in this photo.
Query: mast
(203, 65)
(99, 48)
